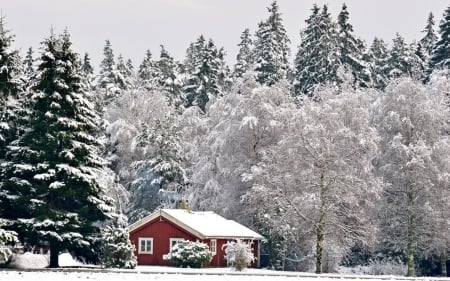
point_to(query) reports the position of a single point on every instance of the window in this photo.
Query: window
(213, 246)
(173, 242)
(145, 245)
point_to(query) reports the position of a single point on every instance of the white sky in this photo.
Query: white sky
(136, 25)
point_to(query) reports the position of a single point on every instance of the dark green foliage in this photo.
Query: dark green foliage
(52, 194)
(440, 56)
(245, 57)
(272, 50)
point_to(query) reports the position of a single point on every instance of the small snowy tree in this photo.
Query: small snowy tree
(190, 254)
(117, 250)
(239, 254)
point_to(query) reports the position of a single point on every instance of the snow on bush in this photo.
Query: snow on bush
(6, 237)
(118, 252)
(239, 254)
(190, 254)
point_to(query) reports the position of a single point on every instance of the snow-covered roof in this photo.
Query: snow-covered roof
(202, 224)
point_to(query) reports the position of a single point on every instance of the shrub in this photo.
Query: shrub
(190, 254)
(118, 252)
(239, 254)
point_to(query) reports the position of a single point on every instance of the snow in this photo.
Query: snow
(176, 274)
(205, 224)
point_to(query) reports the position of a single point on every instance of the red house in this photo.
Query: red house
(156, 234)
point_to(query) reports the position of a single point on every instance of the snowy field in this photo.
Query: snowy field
(32, 268)
(175, 274)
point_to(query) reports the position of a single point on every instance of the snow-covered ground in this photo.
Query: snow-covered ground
(31, 268)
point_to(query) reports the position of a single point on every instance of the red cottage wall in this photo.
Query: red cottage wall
(160, 230)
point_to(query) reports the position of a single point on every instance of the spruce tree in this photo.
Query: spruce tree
(146, 72)
(29, 63)
(208, 73)
(52, 192)
(109, 81)
(440, 56)
(126, 73)
(272, 48)
(378, 55)
(11, 84)
(167, 78)
(351, 51)
(317, 58)
(429, 39)
(402, 60)
(245, 56)
(87, 68)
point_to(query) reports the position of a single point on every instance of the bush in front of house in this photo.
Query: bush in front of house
(239, 254)
(190, 254)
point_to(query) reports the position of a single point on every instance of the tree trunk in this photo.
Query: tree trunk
(320, 226)
(410, 251)
(54, 255)
(444, 263)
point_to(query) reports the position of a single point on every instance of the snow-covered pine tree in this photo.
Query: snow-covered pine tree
(52, 192)
(28, 63)
(378, 55)
(429, 39)
(245, 56)
(209, 73)
(271, 48)
(167, 78)
(402, 60)
(146, 73)
(109, 81)
(317, 59)
(440, 56)
(351, 51)
(88, 72)
(126, 73)
(11, 83)
(117, 249)
(162, 168)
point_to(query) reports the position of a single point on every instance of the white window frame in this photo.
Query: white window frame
(172, 240)
(146, 240)
(213, 246)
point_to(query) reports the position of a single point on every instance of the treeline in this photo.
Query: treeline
(339, 159)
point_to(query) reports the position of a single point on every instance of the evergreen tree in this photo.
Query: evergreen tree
(126, 73)
(378, 55)
(209, 73)
(402, 60)
(316, 61)
(440, 56)
(109, 81)
(427, 42)
(29, 63)
(245, 57)
(162, 169)
(87, 68)
(52, 192)
(272, 48)
(11, 83)
(146, 72)
(351, 51)
(167, 78)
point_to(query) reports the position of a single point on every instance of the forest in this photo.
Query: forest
(338, 154)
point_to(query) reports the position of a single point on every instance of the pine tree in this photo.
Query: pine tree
(440, 56)
(427, 42)
(146, 72)
(167, 78)
(29, 63)
(209, 73)
(378, 55)
(272, 48)
(245, 57)
(316, 61)
(11, 84)
(109, 81)
(351, 51)
(87, 68)
(126, 73)
(402, 60)
(162, 169)
(52, 192)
